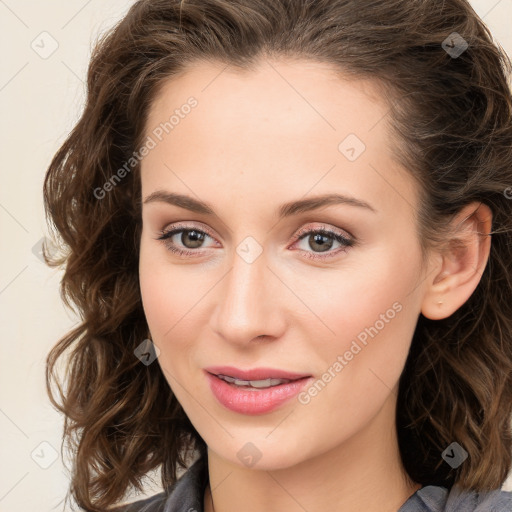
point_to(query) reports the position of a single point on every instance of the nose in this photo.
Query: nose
(250, 302)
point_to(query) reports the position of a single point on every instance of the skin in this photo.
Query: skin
(256, 140)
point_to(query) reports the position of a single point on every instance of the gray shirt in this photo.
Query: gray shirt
(187, 494)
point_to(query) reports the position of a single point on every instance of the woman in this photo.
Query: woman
(278, 217)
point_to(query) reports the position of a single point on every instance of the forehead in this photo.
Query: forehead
(290, 123)
(277, 91)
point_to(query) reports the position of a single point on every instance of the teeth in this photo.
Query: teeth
(266, 383)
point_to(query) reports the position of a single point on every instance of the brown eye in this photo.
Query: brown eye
(322, 240)
(191, 238)
(184, 241)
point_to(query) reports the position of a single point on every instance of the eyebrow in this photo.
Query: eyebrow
(285, 210)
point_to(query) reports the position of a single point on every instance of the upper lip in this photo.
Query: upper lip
(255, 373)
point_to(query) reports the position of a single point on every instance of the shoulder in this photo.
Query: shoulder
(489, 501)
(184, 495)
(433, 498)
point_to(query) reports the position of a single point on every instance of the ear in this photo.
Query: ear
(460, 264)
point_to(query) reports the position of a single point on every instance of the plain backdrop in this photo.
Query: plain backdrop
(45, 51)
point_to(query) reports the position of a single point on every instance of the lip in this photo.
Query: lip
(255, 373)
(251, 401)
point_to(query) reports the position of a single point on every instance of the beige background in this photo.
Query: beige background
(40, 100)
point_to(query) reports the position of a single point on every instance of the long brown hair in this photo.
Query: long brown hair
(450, 117)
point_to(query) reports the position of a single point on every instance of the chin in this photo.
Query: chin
(262, 455)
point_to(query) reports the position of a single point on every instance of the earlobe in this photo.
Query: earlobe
(459, 267)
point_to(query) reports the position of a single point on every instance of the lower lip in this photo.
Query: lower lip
(252, 400)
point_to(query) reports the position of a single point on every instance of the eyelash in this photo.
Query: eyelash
(344, 241)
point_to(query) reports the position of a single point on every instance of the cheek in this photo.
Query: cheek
(159, 301)
(162, 300)
(362, 363)
(371, 313)
(157, 298)
(166, 295)
(166, 304)
(367, 294)
(170, 299)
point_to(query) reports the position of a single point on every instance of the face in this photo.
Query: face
(328, 290)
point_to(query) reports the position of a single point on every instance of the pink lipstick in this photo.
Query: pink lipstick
(254, 391)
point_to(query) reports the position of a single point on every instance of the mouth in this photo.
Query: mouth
(261, 391)
(258, 378)
(256, 384)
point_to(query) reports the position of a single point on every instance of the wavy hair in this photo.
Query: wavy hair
(451, 121)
